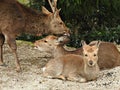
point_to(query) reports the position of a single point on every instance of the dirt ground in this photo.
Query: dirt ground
(31, 76)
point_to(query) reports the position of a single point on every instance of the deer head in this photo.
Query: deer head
(90, 53)
(55, 24)
(46, 44)
(50, 43)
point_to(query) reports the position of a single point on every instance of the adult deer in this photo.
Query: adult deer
(15, 19)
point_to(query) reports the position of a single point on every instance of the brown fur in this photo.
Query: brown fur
(108, 54)
(74, 67)
(16, 18)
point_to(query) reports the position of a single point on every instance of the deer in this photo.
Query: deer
(108, 54)
(75, 67)
(55, 45)
(16, 19)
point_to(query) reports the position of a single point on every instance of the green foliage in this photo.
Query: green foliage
(88, 19)
(36, 4)
(29, 37)
(24, 1)
(91, 20)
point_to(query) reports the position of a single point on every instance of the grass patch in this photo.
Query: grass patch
(23, 1)
(21, 42)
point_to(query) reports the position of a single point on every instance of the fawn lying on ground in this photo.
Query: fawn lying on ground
(16, 19)
(108, 54)
(55, 46)
(75, 67)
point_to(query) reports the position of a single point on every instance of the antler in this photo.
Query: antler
(53, 5)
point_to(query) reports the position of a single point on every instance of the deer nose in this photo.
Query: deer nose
(63, 39)
(91, 62)
(67, 32)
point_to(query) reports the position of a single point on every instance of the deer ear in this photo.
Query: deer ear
(84, 45)
(83, 42)
(98, 43)
(45, 11)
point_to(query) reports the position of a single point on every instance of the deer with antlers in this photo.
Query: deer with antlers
(16, 18)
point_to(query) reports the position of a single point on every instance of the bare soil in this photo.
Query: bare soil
(30, 78)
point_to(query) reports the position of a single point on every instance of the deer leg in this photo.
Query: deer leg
(2, 39)
(75, 77)
(12, 44)
(61, 77)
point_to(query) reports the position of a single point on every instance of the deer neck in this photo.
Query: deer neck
(35, 22)
(58, 51)
(91, 72)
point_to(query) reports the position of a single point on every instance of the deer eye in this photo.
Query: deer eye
(61, 23)
(55, 26)
(86, 55)
(95, 55)
(45, 41)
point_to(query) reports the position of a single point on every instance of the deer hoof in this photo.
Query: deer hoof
(61, 77)
(18, 69)
(82, 80)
